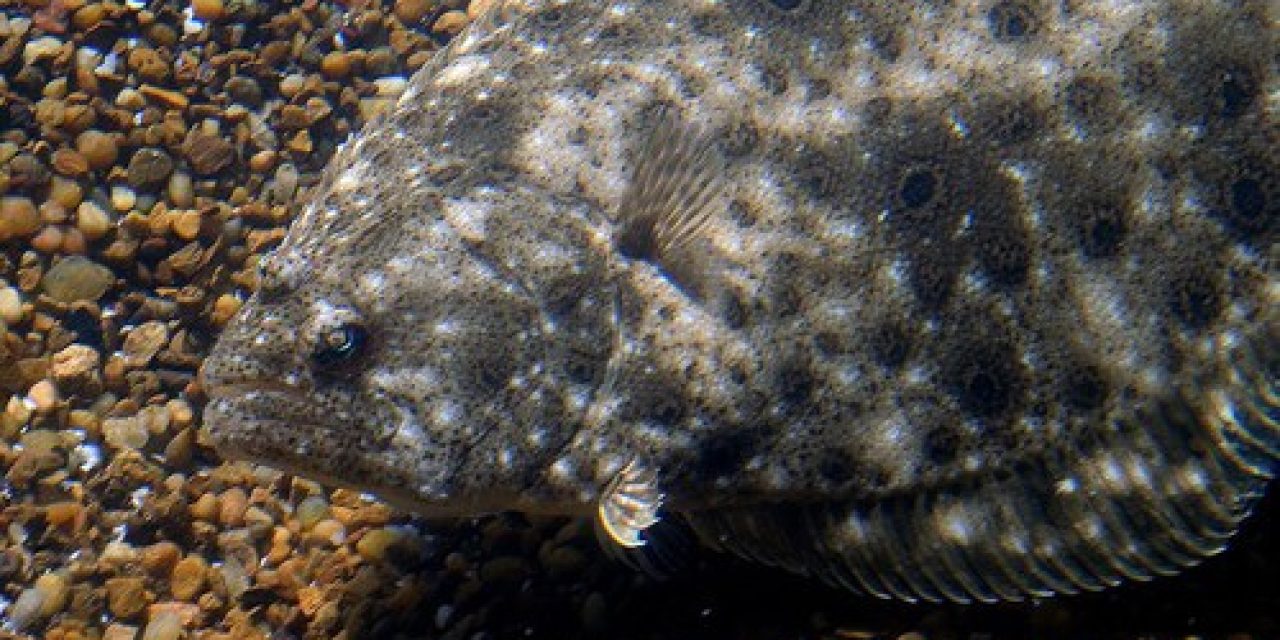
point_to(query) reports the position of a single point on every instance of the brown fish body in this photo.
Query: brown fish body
(949, 301)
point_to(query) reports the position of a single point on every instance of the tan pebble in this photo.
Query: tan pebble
(188, 614)
(118, 554)
(131, 99)
(186, 224)
(224, 308)
(166, 97)
(123, 198)
(181, 190)
(177, 454)
(335, 65)
(73, 241)
(25, 610)
(262, 161)
(300, 142)
(44, 395)
(118, 631)
(10, 306)
(126, 432)
(311, 510)
(205, 507)
(88, 16)
(127, 597)
(208, 9)
(74, 364)
(373, 544)
(92, 221)
(57, 88)
(18, 217)
(56, 590)
(232, 504)
(149, 64)
(208, 153)
(328, 532)
(412, 12)
(70, 162)
(48, 240)
(450, 22)
(291, 84)
(477, 8)
(62, 514)
(188, 578)
(66, 192)
(144, 342)
(161, 557)
(180, 412)
(76, 278)
(99, 149)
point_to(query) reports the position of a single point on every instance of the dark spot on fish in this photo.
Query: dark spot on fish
(1011, 20)
(725, 453)
(890, 345)
(1195, 297)
(787, 5)
(918, 187)
(835, 466)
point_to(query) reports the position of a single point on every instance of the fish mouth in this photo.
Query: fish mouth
(279, 427)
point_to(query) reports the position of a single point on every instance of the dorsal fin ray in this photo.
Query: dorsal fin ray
(675, 193)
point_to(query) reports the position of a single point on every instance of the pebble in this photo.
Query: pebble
(67, 193)
(48, 240)
(74, 365)
(144, 342)
(373, 545)
(18, 217)
(450, 22)
(127, 597)
(123, 198)
(69, 162)
(25, 611)
(165, 625)
(41, 48)
(208, 9)
(336, 65)
(328, 532)
(507, 570)
(92, 221)
(411, 12)
(99, 149)
(125, 432)
(188, 578)
(311, 510)
(10, 306)
(44, 396)
(118, 631)
(205, 507)
(161, 557)
(231, 507)
(224, 308)
(149, 166)
(76, 279)
(181, 190)
(63, 514)
(56, 591)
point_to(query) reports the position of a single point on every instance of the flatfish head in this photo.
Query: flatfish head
(952, 301)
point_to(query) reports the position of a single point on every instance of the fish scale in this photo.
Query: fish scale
(948, 301)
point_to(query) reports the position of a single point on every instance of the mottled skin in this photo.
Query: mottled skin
(989, 310)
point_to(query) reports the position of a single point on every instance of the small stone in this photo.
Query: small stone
(88, 16)
(75, 279)
(70, 162)
(161, 557)
(328, 532)
(336, 65)
(205, 507)
(373, 545)
(144, 342)
(224, 308)
(477, 8)
(167, 619)
(127, 597)
(188, 578)
(48, 240)
(148, 64)
(181, 191)
(169, 98)
(131, 99)
(244, 90)
(44, 395)
(56, 591)
(99, 149)
(208, 9)
(177, 454)
(92, 221)
(118, 631)
(62, 514)
(10, 306)
(74, 365)
(411, 12)
(149, 166)
(125, 433)
(450, 22)
(123, 198)
(40, 49)
(186, 224)
(67, 193)
(18, 217)
(311, 510)
(25, 611)
(181, 414)
(231, 507)
(208, 153)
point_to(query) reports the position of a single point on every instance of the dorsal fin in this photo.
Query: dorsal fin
(674, 193)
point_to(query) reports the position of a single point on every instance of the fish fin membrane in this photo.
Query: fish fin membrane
(670, 548)
(1144, 496)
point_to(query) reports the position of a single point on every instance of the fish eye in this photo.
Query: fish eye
(340, 344)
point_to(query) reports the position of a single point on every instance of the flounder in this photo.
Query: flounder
(967, 300)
